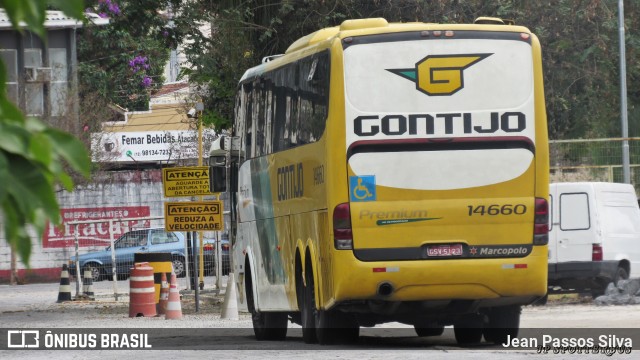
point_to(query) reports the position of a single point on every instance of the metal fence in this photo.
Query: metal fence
(593, 160)
(101, 244)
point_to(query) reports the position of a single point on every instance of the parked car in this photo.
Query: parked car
(594, 236)
(136, 241)
(210, 261)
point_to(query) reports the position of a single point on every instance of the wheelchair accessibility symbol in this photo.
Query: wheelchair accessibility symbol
(362, 188)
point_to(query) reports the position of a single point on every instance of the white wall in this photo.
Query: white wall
(115, 190)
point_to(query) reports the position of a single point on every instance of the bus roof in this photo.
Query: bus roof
(371, 26)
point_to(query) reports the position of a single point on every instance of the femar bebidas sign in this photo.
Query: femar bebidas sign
(170, 145)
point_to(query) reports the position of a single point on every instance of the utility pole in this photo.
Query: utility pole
(623, 96)
(199, 109)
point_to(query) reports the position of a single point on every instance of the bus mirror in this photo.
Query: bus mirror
(217, 161)
(218, 178)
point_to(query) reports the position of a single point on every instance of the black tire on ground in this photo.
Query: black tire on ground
(468, 329)
(96, 271)
(333, 327)
(307, 313)
(423, 331)
(178, 266)
(621, 274)
(266, 325)
(503, 322)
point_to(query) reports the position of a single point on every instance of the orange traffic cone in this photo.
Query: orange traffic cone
(164, 295)
(174, 309)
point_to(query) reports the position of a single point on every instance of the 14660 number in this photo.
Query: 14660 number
(507, 209)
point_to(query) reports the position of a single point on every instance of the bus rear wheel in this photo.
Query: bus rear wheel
(423, 331)
(307, 312)
(468, 329)
(269, 325)
(333, 327)
(504, 322)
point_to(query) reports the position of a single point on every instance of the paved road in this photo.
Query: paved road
(33, 306)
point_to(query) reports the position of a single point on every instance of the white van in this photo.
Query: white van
(594, 235)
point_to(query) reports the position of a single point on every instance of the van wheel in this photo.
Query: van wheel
(621, 274)
(504, 322)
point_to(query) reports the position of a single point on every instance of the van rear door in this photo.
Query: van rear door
(577, 229)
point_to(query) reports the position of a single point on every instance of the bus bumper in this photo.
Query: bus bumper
(491, 282)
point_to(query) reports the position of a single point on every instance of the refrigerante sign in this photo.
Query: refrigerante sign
(94, 233)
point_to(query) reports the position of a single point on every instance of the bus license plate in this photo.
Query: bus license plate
(445, 250)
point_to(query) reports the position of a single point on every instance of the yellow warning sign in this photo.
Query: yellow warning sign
(186, 181)
(193, 216)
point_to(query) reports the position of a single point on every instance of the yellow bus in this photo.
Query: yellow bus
(391, 172)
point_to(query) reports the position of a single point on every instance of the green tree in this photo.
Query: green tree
(579, 42)
(123, 62)
(33, 155)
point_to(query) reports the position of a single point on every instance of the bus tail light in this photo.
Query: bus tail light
(342, 235)
(541, 222)
(596, 252)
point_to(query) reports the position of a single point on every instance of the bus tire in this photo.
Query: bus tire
(503, 322)
(269, 326)
(333, 327)
(307, 313)
(266, 325)
(468, 329)
(423, 331)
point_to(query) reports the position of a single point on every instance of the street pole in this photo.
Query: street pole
(199, 108)
(623, 96)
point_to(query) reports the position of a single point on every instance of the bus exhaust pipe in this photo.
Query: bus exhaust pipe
(385, 289)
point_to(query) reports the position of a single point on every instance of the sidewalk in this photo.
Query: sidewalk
(16, 298)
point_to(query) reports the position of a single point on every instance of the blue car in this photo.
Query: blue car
(132, 242)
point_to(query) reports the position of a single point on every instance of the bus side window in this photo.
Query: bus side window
(248, 108)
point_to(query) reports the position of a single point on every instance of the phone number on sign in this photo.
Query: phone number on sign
(155, 152)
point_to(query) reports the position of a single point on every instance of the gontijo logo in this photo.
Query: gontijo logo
(439, 75)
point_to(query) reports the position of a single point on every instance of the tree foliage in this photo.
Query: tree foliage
(579, 41)
(123, 62)
(33, 155)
